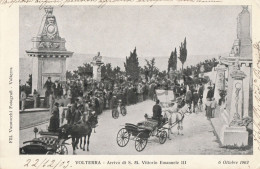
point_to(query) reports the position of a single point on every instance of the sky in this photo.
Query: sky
(154, 31)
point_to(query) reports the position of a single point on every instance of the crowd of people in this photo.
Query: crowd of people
(85, 95)
(89, 96)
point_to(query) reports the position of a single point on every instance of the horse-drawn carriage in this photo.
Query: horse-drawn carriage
(141, 132)
(48, 143)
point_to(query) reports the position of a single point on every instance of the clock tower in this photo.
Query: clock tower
(48, 52)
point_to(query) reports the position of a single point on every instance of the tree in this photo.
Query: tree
(84, 70)
(71, 75)
(132, 66)
(172, 62)
(29, 81)
(150, 68)
(183, 52)
(107, 71)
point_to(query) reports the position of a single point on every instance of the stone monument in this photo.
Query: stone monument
(48, 52)
(237, 67)
(97, 62)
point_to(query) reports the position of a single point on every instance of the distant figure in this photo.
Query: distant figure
(69, 114)
(47, 86)
(57, 89)
(61, 113)
(23, 99)
(51, 101)
(201, 91)
(195, 99)
(210, 93)
(208, 108)
(35, 98)
(78, 114)
(213, 107)
(189, 97)
(69, 95)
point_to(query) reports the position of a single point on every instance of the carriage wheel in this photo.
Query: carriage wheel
(115, 113)
(162, 136)
(62, 150)
(123, 110)
(122, 137)
(140, 142)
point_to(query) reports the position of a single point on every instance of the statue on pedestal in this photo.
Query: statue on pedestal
(97, 62)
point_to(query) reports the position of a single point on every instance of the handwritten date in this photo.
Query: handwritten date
(46, 163)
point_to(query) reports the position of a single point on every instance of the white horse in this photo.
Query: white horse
(176, 116)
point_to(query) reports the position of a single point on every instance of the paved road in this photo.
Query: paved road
(30, 119)
(198, 136)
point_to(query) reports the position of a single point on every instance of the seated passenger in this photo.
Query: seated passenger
(157, 112)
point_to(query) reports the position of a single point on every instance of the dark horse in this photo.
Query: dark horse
(79, 130)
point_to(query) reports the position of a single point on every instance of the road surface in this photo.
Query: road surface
(198, 138)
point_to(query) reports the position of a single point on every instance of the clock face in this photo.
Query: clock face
(51, 30)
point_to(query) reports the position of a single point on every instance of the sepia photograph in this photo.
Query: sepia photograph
(135, 80)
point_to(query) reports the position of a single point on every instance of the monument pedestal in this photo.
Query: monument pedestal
(239, 92)
(234, 136)
(97, 63)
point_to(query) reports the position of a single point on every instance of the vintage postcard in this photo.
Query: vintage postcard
(130, 84)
